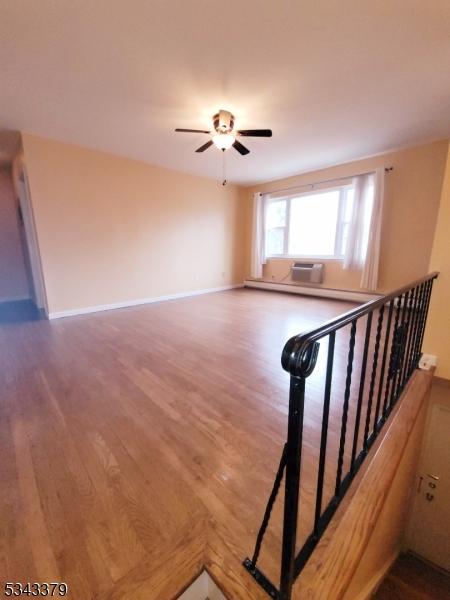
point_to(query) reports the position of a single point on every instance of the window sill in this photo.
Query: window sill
(304, 257)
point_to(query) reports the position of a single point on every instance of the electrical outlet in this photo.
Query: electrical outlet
(427, 362)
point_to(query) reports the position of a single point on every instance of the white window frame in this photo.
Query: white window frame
(340, 223)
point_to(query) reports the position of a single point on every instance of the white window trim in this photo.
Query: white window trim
(339, 224)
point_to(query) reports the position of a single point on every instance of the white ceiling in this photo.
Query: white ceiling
(334, 79)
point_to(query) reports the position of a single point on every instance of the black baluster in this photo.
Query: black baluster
(402, 340)
(410, 348)
(323, 439)
(406, 330)
(392, 359)
(291, 498)
(361, 391)
(383, 366)
(348, 381)
(268, 511)
(404, 369)
(427, 306)
(419, 299)
(397, 352)
(421, 314)
(373, 377)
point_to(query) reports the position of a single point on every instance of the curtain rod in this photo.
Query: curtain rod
(386, 170)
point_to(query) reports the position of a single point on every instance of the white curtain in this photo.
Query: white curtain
(369, 279)
(258, 237)
(355, 251)
(364, 236)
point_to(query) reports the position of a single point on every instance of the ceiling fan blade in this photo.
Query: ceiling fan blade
(205, 146)
(256, 132)
(240, 148)
(192, 130)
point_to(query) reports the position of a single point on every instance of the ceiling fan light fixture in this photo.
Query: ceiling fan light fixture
(223, 141)
(224, 136)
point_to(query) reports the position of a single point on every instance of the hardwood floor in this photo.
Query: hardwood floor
(140, 444)
(414, 579)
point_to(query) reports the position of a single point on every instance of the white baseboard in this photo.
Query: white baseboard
(128, 303)
(312, 291)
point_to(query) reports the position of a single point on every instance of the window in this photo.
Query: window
(312, 224)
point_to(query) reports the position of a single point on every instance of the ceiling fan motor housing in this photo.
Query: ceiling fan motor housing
(223, 121)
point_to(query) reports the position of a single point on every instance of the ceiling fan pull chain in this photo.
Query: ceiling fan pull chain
(224, 180)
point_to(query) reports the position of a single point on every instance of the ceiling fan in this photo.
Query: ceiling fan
(223, 136)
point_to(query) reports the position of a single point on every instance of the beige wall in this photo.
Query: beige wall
(437, 338)
(114, 230)
(411, 204)
(13, 279)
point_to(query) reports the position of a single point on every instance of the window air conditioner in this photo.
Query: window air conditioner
(307, 272)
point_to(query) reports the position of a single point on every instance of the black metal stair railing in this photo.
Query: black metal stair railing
(391, 351)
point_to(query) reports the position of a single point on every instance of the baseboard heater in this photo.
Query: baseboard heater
(307, 272)
(305, 290)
